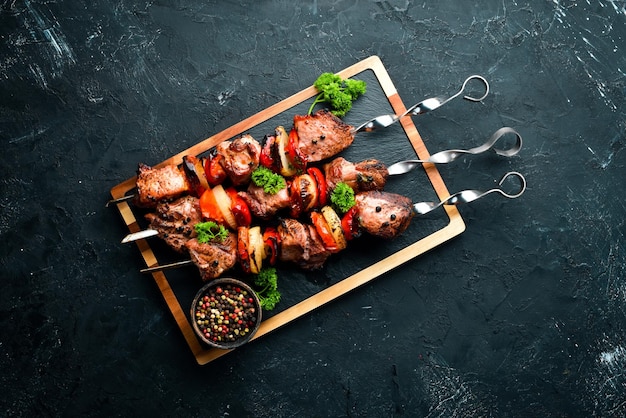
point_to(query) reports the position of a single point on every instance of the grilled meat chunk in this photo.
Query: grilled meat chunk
(384, 214)
(264, 205)
(317, 254)
(241, 158)
(361, 177)
(301, 244)
(322, 135)
(157, 184)
(213, 258)
(175, 221)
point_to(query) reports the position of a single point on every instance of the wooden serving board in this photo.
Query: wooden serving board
(452, 226)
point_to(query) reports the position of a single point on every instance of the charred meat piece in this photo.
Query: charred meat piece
(361, 177)
(175, 221)
(264, 205)
(322, 135)
(300, 244)
(384, 214)
(240, 158)
(157, 184)
(213, 258)
(317, 254)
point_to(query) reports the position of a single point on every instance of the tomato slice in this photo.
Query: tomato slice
(322, 196)
(350, 224)
(210, 209)
(215, 173)
(239, 208)
(323, 229)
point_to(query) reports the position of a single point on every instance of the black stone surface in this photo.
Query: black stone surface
(521, 315)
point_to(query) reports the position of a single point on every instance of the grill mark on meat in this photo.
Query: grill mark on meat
(264, 205)
(322, 135)
(175, 221)
(384, 214)
(300, 244)
(241, 158)
(156, 184)
(317, 253)
(213, 258)
(364, 176)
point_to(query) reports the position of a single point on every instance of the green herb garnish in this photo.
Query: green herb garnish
(267, 283)
(337, 92)
(342, 197)
(271, 182)
(210, 231)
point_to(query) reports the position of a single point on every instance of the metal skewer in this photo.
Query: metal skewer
(421, 208)
(467, 196)
(146, 233)
(167, 266)
(119, 200)
(447, 156)
(422, 107)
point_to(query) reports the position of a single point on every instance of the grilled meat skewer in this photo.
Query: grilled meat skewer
(363, 176)
(175, 221)
(381, 214)
(313, 138)
(213, 259)
(322, 135)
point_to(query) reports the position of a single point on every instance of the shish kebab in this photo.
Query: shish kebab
(287, 239)
(379, 213)
(303, 190)
(312, 138)
(318, 137)
(376, 212)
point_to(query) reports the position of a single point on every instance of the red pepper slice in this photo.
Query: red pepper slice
(322, 228)
(316, 173)
(350, 224)
(271, 239)
(239, 208)
(297, 158)
(268, 153)
(214, 171)
(209, 208)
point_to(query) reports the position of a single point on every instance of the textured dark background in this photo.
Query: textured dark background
(521, 315)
